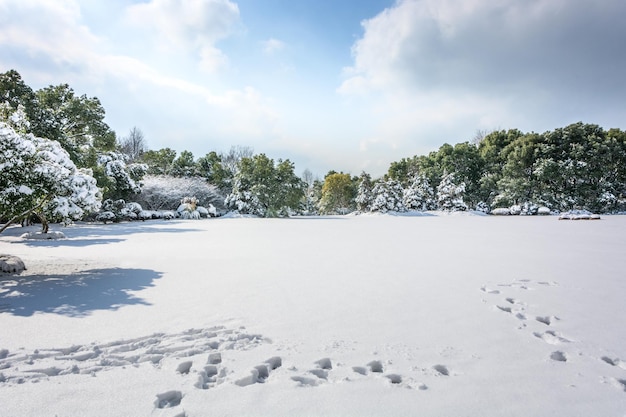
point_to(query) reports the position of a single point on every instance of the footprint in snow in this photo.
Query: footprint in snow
(558, 356)
(614, 362)
(551, 337)
(168, 399)
(260, 373)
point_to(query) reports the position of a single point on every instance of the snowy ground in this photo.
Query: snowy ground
(339, 316)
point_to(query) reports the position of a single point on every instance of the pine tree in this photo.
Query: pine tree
(364, 196)
(419, 195)
(387, 196)
(450, 195)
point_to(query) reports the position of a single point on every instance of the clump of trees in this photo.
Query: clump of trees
(60, 158)
(265, 188)
(578, 167)
(60, 161)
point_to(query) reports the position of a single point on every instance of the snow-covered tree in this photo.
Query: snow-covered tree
(118, 179)
(363, 197)
(450, 194)
(38, 177)
(387, 196)
(265, 189)
(419, 195)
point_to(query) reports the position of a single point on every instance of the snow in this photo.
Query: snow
(434, 315)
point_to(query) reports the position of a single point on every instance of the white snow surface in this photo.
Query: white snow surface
(332, 316)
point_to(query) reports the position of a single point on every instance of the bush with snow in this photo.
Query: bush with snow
(163, 192)
(501, 211)
(38, 177)
(122, 180)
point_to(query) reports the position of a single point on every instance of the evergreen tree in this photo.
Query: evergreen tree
(338, 194)
(364, 195)
(387, 196)
(264, 189)
(38, 177)
(419, 195)
(450, 194)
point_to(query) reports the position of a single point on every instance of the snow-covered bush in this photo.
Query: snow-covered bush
(501, 211)
(119, 210)
(106, 216)
(578, 215)
(122, 180)
(244, 202)
(161, 192)
(483, 207)
(387, 196)
(37, 176)
(450, 194)
(188, 208)
(543, 211)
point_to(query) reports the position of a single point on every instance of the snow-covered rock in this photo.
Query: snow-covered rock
(43, 236)
(501, 211)
(10, 264)
(579, 215)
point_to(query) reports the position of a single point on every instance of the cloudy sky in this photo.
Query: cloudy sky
(348, 85)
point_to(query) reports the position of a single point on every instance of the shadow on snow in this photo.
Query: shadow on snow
(75, 295)
(87, 234)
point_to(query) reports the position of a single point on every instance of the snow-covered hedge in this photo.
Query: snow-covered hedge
(162, 192)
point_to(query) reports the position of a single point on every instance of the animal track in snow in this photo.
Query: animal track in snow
(484, 288)
(394, 378)
(168, 399)
(360, 370)
(41, 364)
(505, 309)
(614, 362)
(376, 366)
(551, 337)
(558, 356)
(442, 370)
(305, 381)
(547, 320)
(260, 373)
(325, 363)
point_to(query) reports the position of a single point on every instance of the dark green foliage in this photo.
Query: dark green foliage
(266, 189)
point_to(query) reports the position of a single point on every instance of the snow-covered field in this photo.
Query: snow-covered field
(339, 316)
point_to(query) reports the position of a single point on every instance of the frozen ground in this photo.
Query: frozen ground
(340, 316)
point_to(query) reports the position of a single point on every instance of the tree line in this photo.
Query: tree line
(580, 166)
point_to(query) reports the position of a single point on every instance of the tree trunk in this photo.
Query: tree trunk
(45, 226)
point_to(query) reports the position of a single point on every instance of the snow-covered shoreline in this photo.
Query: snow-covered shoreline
(462, 315)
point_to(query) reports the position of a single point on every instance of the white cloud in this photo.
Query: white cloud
(192, 25)
(435, 71)
(494, 47)
(272, 46)
(48, 43)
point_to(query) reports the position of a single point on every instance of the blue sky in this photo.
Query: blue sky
(348, 85)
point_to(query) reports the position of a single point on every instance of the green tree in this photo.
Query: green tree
(184, 165)
(338, 193)
(76, 122)
(210, 167)
(159, 162)
(265, 189)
